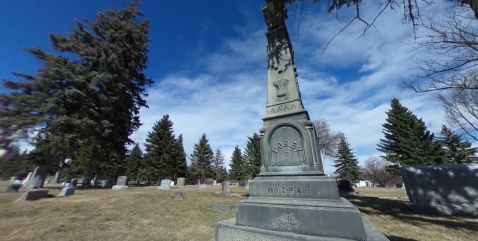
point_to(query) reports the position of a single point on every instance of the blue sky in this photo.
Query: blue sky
(208, 61)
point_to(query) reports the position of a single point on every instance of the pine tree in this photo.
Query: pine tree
(201, 159)
(407, 140)
(133, 162)
(238, 164)
(456, 150)
(179, 155)
(218, 164)
(92, 99)
(159, 161)
(346, 162)
(253, 155)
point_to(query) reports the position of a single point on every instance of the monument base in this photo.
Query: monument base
(67, 191)
(119, 187)
(440, 209)
(227, 230)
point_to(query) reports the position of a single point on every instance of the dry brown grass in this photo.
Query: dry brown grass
(146, 213)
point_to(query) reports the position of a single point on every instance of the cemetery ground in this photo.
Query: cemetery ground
(146, 213)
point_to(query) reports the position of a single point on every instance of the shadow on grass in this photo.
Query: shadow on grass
(395, 238)
(376, 206)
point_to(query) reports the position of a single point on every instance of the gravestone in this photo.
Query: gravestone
(121, 183)
(214, 183)
(33, 195)
(165, 184)
(94, 182)
(202, 186)
(159, 183)
(291, 198)
(441, 189)
(225, 189)
(67, 191)
(74, 182)
(178, 196)
(63, 184)
(181, 182)
(68, 185)
(242, 183)
(105, 183)
(138, 183)
(209, 181)
(27, 178)
(14, 186)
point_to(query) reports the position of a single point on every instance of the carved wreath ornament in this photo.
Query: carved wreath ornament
(288, 220)
(280, 84)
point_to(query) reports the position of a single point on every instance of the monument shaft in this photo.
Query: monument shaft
(291, 198)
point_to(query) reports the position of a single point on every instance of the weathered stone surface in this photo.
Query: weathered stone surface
(225, 189)
(105, 184)
(227, 230)
(442, 189)
(33, 195)
(178, 196)
(14, 187)
(116, 187)
(122, 181)
(165, 184)
(181, 182)
(67, 191)
(74, 182)
(290, 199)
(202, 186)
(209, 181)
(222, 207)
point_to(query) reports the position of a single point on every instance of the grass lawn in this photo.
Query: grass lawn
(146, 213)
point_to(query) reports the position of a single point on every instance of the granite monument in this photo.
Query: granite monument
(165, 184)
(291, 198)
(121, 183)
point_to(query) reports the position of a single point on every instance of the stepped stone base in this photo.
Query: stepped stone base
(119, 187)
(227, 230)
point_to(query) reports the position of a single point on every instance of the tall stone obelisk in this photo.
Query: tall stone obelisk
(291, 199)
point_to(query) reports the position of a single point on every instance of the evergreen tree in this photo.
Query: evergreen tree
(92, 99)
(133, 162)
(456, 150)
(407, 140)
(159, 161)
(179, 155)
(239, 169)
(201, 160)
(13, 163)
(218, 164)
(253, 155)
(346, 162)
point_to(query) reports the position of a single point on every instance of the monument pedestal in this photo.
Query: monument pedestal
(119, 187)
(291, 199)
(228, 230)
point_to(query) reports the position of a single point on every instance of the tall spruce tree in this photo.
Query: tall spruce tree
(133, 162)
(239, 169)
(253, 155)
(407, 140)
(456, 150)
(201, 159)
(346, 162)
(179, 155)
(92, 99)
(160, 161)
(218, 164)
